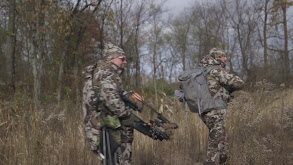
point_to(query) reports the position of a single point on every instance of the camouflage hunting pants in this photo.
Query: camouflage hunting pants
(125, 157)
(217, 149)
(126, 143)
(92, 136)
(124, 152)
(92, 131)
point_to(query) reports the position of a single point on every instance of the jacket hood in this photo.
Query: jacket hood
(88, 71)
(210, 61)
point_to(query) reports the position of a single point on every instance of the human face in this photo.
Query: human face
(120, 61)
(223, 59)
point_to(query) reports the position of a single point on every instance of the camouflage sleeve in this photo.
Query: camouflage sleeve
(226, 79)
(110, 95)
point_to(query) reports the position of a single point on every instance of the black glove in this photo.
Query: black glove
(129, 121)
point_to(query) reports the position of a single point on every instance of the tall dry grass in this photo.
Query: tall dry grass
(42, 137)
(259, 124)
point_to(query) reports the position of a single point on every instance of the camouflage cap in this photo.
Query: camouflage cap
(112, 51)
(217, 53)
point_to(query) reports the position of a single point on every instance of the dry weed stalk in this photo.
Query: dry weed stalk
(259, 125)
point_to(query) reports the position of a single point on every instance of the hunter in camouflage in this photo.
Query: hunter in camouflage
(102, 104)
(221, 83)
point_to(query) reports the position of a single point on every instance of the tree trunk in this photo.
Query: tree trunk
(76, 62)
(286, 51)
(61, 71)
(265, 36)
(121, 24)
(183, 60)
(76, 78)
(155, 63)
(38, 52)
(35, 74)
(184, 46)
(243, 49)
(155, 55)
(37, 65)
(11, 40)
(137, 58)
(200, 54)
(37, 70)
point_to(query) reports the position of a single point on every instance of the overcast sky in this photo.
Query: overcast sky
(176, 6)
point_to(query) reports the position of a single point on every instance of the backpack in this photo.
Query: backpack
(196, 92)
(88, 91)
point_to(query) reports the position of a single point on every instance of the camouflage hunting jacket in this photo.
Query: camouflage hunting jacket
(107, 84)
(220, 82)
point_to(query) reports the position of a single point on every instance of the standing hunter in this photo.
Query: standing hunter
(221, 84)
(103, 106)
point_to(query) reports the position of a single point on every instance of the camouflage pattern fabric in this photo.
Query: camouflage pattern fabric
(108, 84)
(216, 54)
(217, 143)
(127, 134)
(107, 79)
(125, 157)
(127, 139)
(105, 87)
(220, 80)
(111, 51)
(220, 83)
(91, 114)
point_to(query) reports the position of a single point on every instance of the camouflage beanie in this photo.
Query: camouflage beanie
(217, 53)
(112, 51)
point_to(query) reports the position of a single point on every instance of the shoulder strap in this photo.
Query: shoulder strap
(208, 69)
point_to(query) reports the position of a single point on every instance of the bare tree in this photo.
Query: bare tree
(265, 43)
(155, 45)
(143, 12)
(209, 28)
(265, 12)
(243, 18)
(11, 43)
(180, 28)
(279, 18)
(78, 23)
(101, 15)
(283, 5)
(35, 19)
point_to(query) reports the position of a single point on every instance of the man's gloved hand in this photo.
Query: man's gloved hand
(129, 121)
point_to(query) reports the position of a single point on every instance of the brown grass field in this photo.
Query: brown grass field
(259, 124)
